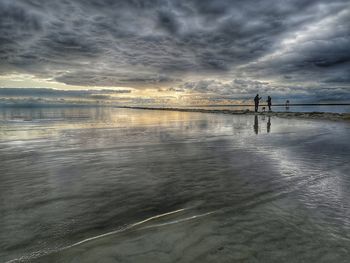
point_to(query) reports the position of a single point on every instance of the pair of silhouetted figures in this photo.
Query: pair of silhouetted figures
(256, 124)
(257, 100)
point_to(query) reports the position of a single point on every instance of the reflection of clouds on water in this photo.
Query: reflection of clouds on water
(81, 178)
(268, 125)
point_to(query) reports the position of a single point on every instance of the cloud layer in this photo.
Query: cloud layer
(223, 46)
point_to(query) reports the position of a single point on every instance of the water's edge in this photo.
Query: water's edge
(305, 115)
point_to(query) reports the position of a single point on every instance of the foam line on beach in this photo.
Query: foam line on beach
(124, 229)
(40, 254)
(179, 220)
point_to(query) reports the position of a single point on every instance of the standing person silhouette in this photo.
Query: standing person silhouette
(269, 102)
(256, 102)
(287, 105)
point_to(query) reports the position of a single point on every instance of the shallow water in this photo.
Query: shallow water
(122, 185)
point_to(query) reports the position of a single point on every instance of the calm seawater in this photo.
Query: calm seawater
(123, 185)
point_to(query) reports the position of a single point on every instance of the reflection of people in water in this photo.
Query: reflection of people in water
(268, 126)
(256, 125)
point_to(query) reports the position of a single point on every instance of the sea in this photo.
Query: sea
(104, 184)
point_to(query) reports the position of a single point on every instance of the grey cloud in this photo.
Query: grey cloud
(246, 89)
(140, 43)
(44, 92)
(109, 78)
(236, 87)
(321, 55)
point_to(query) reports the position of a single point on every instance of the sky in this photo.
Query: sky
(176, 52)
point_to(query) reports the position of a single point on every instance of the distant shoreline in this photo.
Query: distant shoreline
(303, 115)
(280, 104)
(283, 114)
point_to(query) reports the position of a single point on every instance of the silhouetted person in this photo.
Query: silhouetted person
(256, 102)
(269, 102)
(268, 126)
(287, 105)
(256, 125)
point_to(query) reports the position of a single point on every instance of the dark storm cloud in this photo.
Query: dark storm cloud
(143, 43)
(319, 52)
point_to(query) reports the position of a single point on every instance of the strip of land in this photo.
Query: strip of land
(304, 115)
(278, 104)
